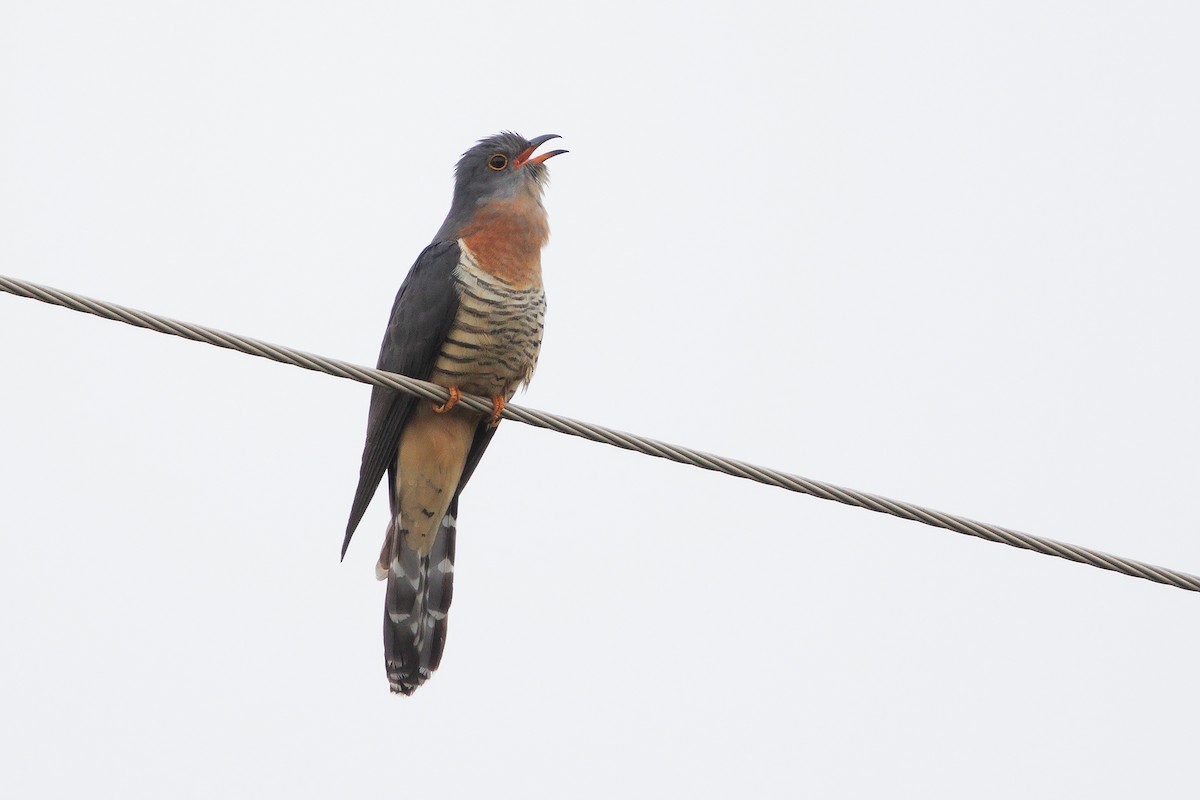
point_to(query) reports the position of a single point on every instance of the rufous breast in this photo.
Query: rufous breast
(507, 236)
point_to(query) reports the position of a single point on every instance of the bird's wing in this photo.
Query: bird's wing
(483, 437)
(421, 318)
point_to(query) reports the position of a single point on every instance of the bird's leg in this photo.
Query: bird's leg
(455, 396)
(498, 403)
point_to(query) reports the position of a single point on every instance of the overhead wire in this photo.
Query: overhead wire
(599, 433)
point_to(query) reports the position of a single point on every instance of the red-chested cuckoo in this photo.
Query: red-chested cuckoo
(468, 317)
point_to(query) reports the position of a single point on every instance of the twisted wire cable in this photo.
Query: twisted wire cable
(597, 433)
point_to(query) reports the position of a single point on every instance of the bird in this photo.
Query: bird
(469, 317)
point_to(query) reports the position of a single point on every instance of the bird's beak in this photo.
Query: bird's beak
(534, 144)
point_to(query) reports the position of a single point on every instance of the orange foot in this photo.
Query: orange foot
(498, 404)
(455, 396)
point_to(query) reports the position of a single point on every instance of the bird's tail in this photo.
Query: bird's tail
(419, 590)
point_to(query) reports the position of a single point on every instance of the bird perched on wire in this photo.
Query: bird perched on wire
(468, 317)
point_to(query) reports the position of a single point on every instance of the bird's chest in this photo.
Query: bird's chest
(493, 344)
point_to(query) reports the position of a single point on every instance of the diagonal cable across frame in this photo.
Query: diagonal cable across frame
(597, 433)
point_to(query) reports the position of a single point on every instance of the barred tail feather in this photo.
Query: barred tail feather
(419, 590)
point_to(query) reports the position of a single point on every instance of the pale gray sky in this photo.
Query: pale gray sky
(945, 252)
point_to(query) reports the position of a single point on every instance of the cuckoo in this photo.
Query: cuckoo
(469, 317)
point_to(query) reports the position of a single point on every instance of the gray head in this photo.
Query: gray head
(499, 167)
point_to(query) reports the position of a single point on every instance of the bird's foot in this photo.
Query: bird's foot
(455, 396)
(498, 403)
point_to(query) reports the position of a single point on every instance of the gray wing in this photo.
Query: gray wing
(483, 437)
(421, 318)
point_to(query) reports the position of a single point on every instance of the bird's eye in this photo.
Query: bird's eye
(498, 161)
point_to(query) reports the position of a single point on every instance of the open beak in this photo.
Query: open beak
(534, 144)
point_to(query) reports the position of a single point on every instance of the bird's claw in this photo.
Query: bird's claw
(455, 396)
(498, 404)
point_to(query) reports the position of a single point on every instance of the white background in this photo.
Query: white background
(945, 252)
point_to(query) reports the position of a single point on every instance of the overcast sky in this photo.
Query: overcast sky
(945, 252)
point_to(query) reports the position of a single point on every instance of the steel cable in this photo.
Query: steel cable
(597, 433)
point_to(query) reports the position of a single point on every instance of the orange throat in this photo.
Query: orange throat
(506, 237)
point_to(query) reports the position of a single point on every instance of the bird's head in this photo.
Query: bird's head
(499, 168)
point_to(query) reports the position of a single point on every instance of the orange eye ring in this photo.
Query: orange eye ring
(498, 162)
